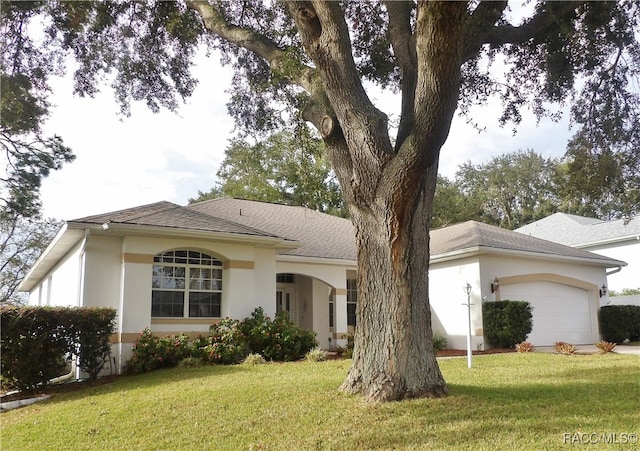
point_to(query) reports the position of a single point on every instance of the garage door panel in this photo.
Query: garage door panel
(560, 312)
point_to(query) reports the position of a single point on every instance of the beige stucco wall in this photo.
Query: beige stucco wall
(448, 301)
(62, 286)
(447, 297)
(628, 252)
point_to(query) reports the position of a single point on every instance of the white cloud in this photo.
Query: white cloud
(124, 162)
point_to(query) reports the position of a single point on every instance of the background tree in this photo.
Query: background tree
(27, 155)
(22, 240)
(287, 168)
(513, 189)
(314, 56)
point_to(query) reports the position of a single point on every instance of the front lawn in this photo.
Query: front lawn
(506, 401)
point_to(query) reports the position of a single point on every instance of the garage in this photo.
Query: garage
(560, 312)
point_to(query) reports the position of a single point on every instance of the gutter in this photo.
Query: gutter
(618, 269)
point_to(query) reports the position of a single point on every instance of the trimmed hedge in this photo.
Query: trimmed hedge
(506, 323)
(37, 342)
(620, 322)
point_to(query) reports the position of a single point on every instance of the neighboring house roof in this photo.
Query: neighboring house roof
(468, 236)
(321, 235)
(579, 231)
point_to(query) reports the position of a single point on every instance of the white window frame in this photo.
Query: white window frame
(185, 262)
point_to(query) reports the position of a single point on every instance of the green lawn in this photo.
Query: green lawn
(508, 401)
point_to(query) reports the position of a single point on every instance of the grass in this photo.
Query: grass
(506, 401)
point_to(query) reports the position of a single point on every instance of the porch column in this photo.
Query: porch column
(341, 312)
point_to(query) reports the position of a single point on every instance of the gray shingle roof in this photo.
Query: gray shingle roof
(575, 230)
(167, 214)
(321, 235)
(472, 234)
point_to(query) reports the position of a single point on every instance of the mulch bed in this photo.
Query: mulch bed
(463, 352)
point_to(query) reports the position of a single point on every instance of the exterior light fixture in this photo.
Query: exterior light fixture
(603, 290)
(495, 285)
(105, 226)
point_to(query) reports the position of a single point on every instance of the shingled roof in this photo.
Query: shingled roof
(321, 235)
(476, 235)
(580, 231)
(167, 214)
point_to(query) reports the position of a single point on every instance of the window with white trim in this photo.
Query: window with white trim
(186, 284)
(352, 301)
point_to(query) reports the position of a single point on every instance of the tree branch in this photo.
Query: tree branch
(479, 24)
(542, 22)
(255, 42)
(403, 42)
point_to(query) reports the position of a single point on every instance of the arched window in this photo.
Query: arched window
(186, 284)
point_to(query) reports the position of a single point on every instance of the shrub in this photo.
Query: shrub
(151, 352)
(524, 346)
(506, 322)
(286, 341)
(254, 359)
(90, 330)
(37, 342)
(227, 344)
(620, 322)
(278, 339)
(605, 346)
(564, 348)
(439, 342)
(316, 355)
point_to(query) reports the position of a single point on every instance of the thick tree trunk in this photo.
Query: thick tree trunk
(393, 356)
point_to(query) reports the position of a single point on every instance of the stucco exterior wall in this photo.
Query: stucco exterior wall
(448, 299)
(62, 286)
(629, 252)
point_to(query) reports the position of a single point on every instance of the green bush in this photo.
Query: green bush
(506, 323)
(37, 342)
(285, 341)
(151, 352)
(227, 344)
(439, 342)
(91, 329)
(620, 322)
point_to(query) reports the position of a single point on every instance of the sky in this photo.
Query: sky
(123, 162)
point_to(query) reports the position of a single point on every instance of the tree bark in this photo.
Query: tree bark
(393, 355)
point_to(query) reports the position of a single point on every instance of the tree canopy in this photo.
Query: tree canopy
(287, 168)
(309, 61)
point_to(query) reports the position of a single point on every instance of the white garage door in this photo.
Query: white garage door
(560, 312)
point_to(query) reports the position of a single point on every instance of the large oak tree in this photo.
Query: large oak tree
(314, 58)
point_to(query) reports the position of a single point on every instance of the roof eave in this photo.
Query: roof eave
(65, 240)
(478, 250)
(119, 229)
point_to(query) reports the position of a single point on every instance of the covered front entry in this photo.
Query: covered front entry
(309, 303)
(560, 312)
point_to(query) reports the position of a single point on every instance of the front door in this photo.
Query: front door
(284, 301)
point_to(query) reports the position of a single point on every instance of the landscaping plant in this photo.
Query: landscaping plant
(564, 348)
(524, 346)
(605, 346)
(506, 322)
